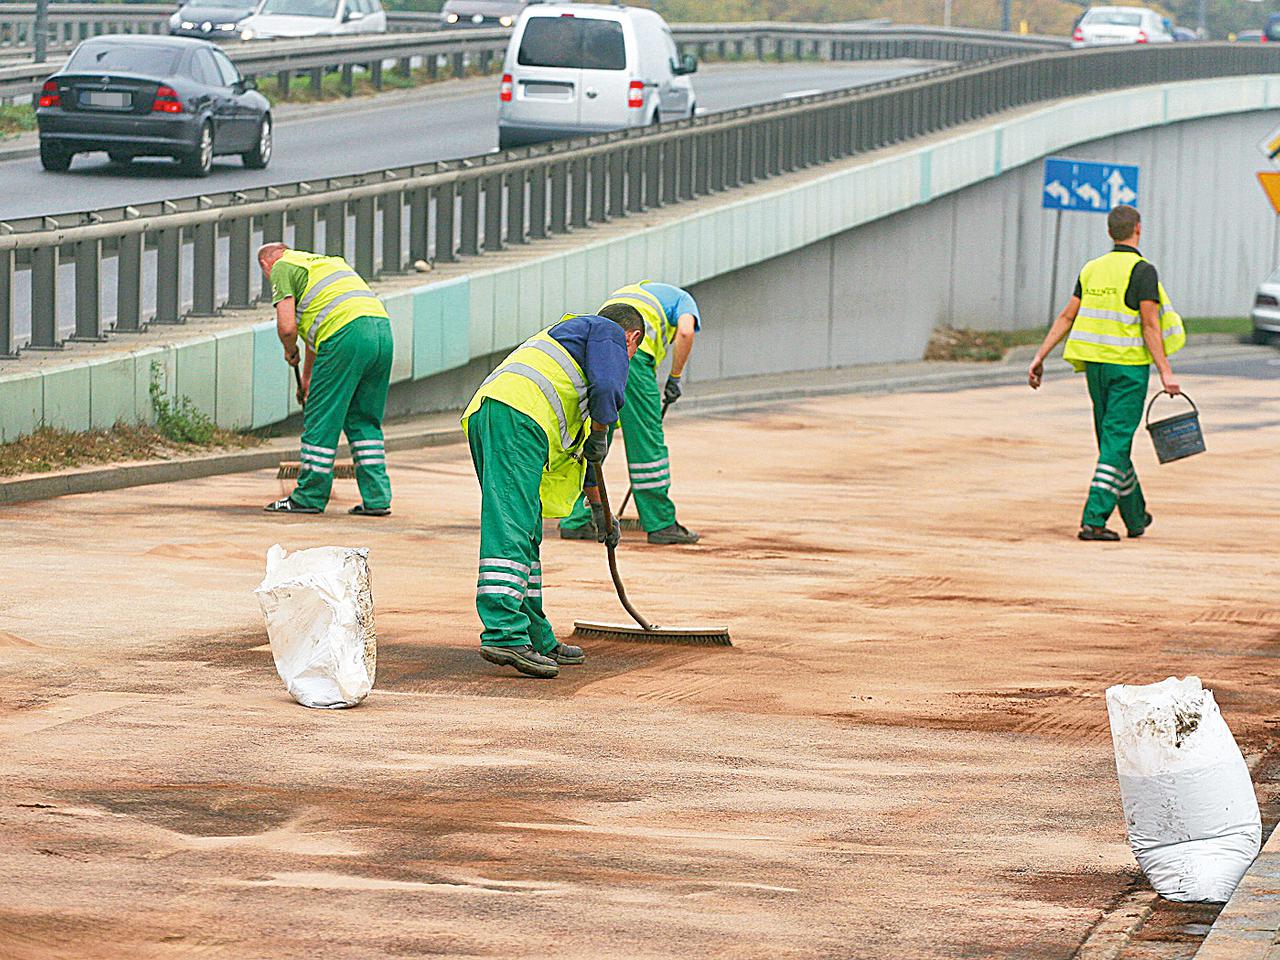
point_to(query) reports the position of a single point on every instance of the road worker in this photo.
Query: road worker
(1117, 323)
(538, 428)
(671, 320)
(345, 377)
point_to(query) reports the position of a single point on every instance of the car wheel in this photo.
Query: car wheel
(54, 158)
(260, 155)
(199, 162)
(1261, 337)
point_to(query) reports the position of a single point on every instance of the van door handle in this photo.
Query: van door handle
(592, 93)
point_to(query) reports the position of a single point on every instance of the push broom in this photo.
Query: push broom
(644, 632)
(289, 469)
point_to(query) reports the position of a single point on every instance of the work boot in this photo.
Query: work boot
(360, 510)
(525, 659)
(289, 505)
(1146, 522)
(1096, 533)
(585, 532)
(563, 653)
(674, 534)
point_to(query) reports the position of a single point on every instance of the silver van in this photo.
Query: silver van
(574, 69)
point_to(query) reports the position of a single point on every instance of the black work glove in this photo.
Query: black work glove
(610, 538)
(597, 446)
(671, 393)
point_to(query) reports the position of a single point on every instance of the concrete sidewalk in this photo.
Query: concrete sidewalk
(1249, 926)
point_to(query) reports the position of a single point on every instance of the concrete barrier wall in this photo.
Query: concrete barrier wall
(854, 265)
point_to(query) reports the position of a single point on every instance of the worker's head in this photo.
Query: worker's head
(268, 254)
(1124, 225)
(629, 319)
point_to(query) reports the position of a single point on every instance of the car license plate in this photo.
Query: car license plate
(106, 98)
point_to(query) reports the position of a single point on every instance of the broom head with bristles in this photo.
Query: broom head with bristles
(700, 636)
(289, 470)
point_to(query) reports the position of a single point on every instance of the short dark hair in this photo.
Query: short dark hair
(624, 315)
(1122, 221)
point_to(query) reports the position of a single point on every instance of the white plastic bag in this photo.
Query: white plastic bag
(318, 605)
(1189, 803)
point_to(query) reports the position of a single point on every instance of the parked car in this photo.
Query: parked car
(1271, 32)
(1108, 25)
(1250, 36)
(575, 69)
(1266, 310)
(313, 18)
(147, 96)
(210, 19)
(482, 13)
(1184, 35)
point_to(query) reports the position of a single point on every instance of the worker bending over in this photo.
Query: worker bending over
(671, 319)
(1120, 321)
(345, 378)
(534, 421)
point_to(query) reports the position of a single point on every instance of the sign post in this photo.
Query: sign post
(1086, 187)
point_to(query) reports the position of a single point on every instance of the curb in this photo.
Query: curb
(408, 436)
(1249, 925)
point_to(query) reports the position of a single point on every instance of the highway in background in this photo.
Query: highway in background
(372, 133)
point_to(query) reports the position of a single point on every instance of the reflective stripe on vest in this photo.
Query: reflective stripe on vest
(1105, 329)
(658, 332)
(335, 296)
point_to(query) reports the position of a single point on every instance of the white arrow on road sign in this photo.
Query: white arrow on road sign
(1120, 192)
(1090, 195)
(1058, 192)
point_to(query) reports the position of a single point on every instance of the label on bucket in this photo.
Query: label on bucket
(1177, 437)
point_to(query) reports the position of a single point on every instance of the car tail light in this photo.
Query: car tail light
(504, 93)
(635, 94)
(568, 15)
(1078, 36)
(1142, 36)
(166, 101)
(1266, 300)
(49, 96)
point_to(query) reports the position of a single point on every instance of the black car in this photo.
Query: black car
(148, 96)
(210, 19)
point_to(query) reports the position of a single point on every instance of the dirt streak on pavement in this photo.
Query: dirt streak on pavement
(904, 754)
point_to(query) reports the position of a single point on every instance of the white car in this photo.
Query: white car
(313, 18)
(1266, 310)
(578, 68)
(1108, 25)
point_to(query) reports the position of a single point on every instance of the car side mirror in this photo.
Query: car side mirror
(688, 64)
(241, 86)
(352, 15)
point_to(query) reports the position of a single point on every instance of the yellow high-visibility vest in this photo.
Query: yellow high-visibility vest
(335, 296)
(658, 333)
(1106, 330)
(543, 381)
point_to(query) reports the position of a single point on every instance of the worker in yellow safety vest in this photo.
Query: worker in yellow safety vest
(1117, 323)
(344, 379)
(538, 428)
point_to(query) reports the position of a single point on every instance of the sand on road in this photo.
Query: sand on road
(905, 753)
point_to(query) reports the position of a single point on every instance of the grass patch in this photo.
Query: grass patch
(16, 118)
(301, 91)
(981, 346)
(1241, 326)
(52, 449)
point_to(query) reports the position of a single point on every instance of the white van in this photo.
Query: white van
(313, 18)
(574, 69)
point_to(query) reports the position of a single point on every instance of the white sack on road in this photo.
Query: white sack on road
(1188, 799)
(318, 605)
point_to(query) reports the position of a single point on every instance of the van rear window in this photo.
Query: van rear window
(579, 43)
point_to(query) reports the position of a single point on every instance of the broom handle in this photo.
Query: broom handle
(613, 554)
(297, 378)
(627, 499)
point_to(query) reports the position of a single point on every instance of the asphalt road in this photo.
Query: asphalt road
(373, 134)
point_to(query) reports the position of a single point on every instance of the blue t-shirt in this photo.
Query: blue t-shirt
(600, 348)
(675, 303)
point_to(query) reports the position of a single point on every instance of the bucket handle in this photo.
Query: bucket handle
(1162, 393)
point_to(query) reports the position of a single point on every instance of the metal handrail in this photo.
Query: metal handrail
(467, 208)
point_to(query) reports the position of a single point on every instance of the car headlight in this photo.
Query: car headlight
(450, 18)
(248, 33)
(477, 18)
(506, 21)
(226, 26)
(188, 25)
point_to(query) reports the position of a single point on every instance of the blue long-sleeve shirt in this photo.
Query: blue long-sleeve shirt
(600, 348)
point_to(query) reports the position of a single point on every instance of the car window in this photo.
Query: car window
(300, 8)
(1113, 18)
(230, 75)
(575, 42)
(149, 59)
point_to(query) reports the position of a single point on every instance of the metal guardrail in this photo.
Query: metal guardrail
(466, 208)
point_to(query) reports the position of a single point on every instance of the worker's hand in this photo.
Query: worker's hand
(611, 536)
(294, 358)
(1170, 383)
(597, 446)
(671, 393)
(1035, 374)
(304, 391)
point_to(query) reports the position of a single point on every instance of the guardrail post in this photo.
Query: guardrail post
(470, 246)
(419, 225)
(366, 263)
(493, 211)
(315, 76)
(459, 65)
(618, 182)
(239, 264)
(168, 274)
(129, 284)
(375, 74)
(392, 222)
(559, 197)
(652, 175)
(8, 346)
(88, 299)
(515, 206)
(204, 267)
(444, 223)
(272, 225)
(404, 67)
(669, 168)
(635, 178)
(690, 147)
(578, 194)
(348, 79)
(44, 299)
(538, 201)
(282, 83)
(597, 175)
(335, 229)
(486, 62)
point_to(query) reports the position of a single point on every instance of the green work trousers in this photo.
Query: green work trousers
(648, 462)
(509, 451)
(348, 393)
(1119, 393)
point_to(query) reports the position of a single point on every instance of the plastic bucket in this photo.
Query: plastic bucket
(1178, 436)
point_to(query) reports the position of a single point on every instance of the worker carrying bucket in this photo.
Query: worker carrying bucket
(538, 428)
(1117, 323)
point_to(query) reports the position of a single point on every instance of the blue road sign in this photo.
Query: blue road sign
(1087, 186)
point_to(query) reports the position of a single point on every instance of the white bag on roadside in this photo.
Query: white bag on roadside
(318, 605)
(1189, 803)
